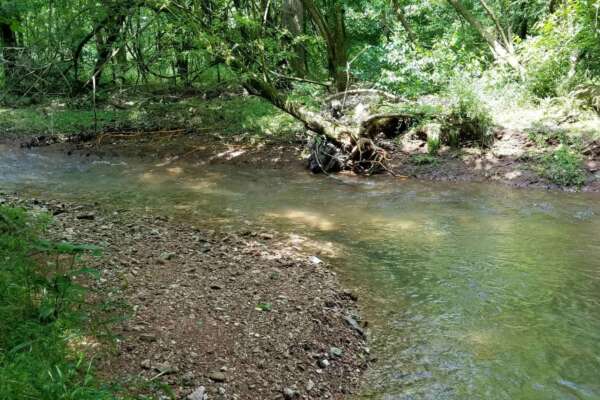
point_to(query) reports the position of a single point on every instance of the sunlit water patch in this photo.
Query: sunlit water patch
(472, 291)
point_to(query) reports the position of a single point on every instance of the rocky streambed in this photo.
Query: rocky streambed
(215, 315)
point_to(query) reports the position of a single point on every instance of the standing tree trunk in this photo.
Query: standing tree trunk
(502, 50)
(404, 22)
(333, 31)
(292, 19)
(8, 40)
(105, 45)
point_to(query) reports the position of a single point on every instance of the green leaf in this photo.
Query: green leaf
(264, 307)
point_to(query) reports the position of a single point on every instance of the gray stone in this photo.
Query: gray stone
(335, 351)
(354, 325)
(289, 394)
(323, 363)
(198, 394)
(217, 376)
(166, 256)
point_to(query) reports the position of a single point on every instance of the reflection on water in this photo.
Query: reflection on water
(472, 291)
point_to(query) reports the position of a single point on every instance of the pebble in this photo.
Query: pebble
(188, 378)
(336, 352)
(289, 394)
(166, 256)
(217, 376)
(198, 394)
(354, 325)
(323, 363)
(86, 216)
(147, 337)
(315, 260)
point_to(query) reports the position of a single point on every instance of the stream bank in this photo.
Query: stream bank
(506, 162)
(236, 315)
(457, 280)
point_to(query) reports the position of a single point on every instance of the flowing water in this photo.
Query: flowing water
(472, 291)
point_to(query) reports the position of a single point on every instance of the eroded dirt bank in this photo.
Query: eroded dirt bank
(508, 161)
(216, 315)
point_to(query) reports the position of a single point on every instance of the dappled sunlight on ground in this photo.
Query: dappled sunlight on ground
(230, 154)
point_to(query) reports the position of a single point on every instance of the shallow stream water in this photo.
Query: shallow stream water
(472, 291)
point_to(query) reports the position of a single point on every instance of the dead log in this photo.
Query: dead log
(339, 144)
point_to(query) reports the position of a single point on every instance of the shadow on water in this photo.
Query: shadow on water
(472, 291)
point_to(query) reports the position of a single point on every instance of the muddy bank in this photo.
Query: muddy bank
(508, 161)
(236, 315)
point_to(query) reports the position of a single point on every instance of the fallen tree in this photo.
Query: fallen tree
(344, 135)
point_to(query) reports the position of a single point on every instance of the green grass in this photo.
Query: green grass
(237, 115)
(44, 319)
(424, 159)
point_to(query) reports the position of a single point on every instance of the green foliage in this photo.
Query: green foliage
(423, 159)
(416, 71)
(433, 145)
(264, 307)
(566, 50)
(42, 316)
(563, 167)
(230, 116)
(468, 118)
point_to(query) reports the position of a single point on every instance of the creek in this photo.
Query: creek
(472, 291)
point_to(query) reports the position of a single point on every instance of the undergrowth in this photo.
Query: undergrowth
(234, 115)
(563, 167)
(46, 325)
(424, 159)
(468, 118)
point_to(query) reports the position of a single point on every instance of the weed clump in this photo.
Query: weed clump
(563, 167)
(468, 119)
(423, 159)
(42, 315)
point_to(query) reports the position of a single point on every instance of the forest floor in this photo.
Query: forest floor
(228, 127)
(236, 315)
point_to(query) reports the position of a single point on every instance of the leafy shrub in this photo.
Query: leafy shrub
(563, 167)
(433, 145)
(468, 119)
(564, 53)
(42, 313)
